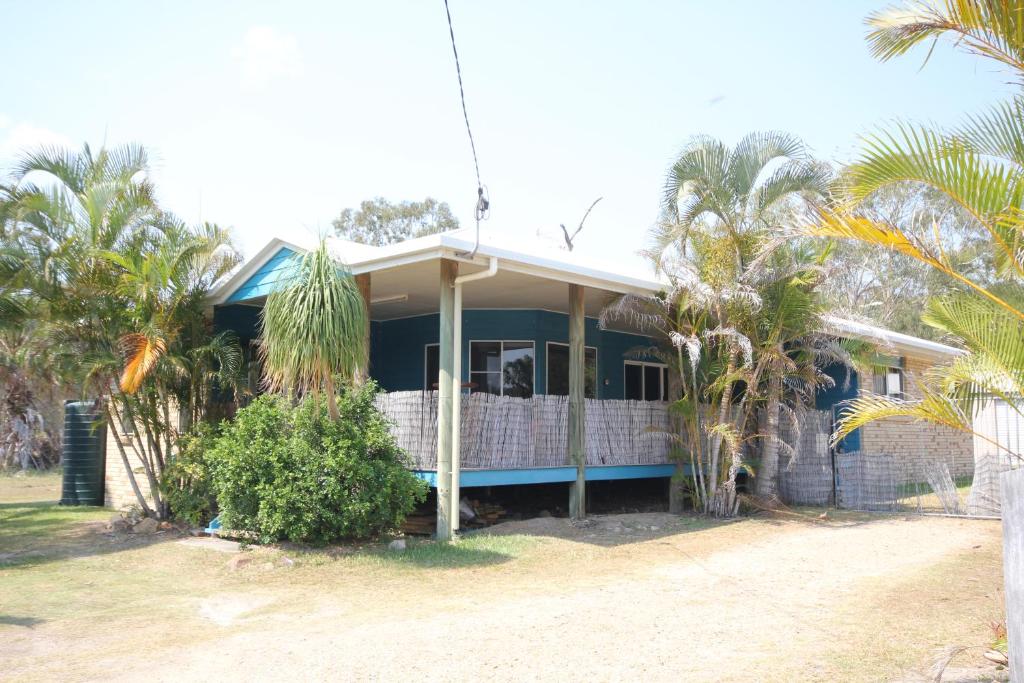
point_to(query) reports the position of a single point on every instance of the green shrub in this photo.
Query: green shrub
(186, 483)
(284, 472)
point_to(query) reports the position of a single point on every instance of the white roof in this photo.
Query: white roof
(895, 341)
(515, 253)
(521, 260)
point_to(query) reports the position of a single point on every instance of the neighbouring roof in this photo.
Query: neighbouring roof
(896, 341)
(407, 269)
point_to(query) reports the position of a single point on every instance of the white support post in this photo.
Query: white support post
(457, 407)
(446, 357)
(577, 403)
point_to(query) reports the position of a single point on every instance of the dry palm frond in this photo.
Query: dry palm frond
(143, 353)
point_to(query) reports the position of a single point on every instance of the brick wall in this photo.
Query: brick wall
(118, 493)
(919, 442)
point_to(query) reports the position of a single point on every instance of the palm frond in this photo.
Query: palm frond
(991, 28)
(313, 326)
(755, 152)
(143, 352)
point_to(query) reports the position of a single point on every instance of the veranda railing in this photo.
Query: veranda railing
(500, 432)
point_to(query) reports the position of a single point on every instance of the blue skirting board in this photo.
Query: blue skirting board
(549, 475)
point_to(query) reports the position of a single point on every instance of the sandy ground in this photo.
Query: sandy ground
(627, 597)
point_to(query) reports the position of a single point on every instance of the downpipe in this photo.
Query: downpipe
(492, 270)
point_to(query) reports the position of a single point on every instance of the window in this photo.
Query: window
(127, 423)
(888, 382)
(558, 370)
(432, 363)
(646, 381)
(502, 368)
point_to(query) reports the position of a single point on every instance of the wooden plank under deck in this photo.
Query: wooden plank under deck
(552, 475)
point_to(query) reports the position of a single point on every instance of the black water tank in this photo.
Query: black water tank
(84, 454)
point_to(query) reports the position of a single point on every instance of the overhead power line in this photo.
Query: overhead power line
(483, 202)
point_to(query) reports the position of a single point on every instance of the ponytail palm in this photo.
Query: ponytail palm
(314, 328)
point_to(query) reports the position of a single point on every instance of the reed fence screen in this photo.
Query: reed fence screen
(501, 432)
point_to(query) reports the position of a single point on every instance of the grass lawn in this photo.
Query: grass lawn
(654, 596)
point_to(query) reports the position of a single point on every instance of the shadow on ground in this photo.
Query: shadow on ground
(37, 532)
(27, 622)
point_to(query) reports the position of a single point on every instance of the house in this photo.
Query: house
(522, 306)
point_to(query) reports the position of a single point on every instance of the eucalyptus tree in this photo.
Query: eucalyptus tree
(732, 205)
(314, 329)
(380, 222)
(979, 166)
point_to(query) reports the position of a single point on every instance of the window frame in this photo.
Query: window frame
(427, 384)
(884, 372)
(547, 367)
(662, 377)
(501, 354)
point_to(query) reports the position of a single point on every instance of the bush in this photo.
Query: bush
(186, 483)
(284, 472)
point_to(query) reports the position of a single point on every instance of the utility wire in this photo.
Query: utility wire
(482, 203)
(462, 93)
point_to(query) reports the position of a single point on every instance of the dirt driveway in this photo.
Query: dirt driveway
(645, 596)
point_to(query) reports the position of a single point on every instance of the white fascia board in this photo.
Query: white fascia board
(446, 245)
(896, 340)
(223, 290)
(450, 247)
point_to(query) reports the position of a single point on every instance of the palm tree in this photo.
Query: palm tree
(979, 166)
(118, 287)
(680, 323)
(314, 329)
(740, 193)
(723, 211)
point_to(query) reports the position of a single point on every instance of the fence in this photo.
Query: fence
(813, 475)
(879, 481)
(886, 482)
(805, 476)
(501, 432)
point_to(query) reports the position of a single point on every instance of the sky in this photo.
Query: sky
(272, 117)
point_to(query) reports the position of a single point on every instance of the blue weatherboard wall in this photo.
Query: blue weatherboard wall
(263, 280)
(833, 397)
(398, 346)
(243, 319)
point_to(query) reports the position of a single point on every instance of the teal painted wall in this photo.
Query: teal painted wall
(399, 357)
(397, 347)
(826, 399)
(263, 280)
(244, 320)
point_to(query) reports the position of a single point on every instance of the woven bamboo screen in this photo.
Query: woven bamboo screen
(501, 432)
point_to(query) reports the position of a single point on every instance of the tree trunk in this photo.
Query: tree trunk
(332, 400)
(767, 476)
(723, 416)
(124, 460)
